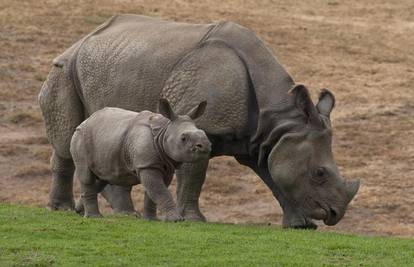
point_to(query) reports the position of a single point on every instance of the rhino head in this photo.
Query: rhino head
(302, 165)
(183, 141)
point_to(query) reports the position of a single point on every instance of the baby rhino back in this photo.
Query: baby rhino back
(103, 142)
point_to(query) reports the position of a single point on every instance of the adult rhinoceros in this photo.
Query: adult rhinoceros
(255, 111)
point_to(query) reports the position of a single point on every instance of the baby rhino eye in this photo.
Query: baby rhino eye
(183, 138)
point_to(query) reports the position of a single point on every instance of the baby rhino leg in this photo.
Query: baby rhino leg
(119, 197)
(150, 208)
(90, 186)
(89, 197)
(157, 191)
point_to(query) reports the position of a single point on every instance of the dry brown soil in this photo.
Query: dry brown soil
(362, 50)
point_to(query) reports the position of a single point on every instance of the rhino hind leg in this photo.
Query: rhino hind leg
(62, 113)
(61, 194)
(119, 197)
(190, 179)
(88, 202)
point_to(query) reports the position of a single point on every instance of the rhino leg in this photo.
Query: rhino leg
(88, 202)
(61, 194)
(215, 73)
(155, 186)
(292, 218)
(62, 113)
(150, 207)
(119, 197)
(190, 179)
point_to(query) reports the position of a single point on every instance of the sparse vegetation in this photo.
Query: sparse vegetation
(33, 170)
(23, 117)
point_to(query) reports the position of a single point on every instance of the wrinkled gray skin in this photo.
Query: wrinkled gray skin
(120, 147)
(132, 61)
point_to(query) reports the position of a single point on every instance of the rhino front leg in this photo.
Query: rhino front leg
(119, 197)
(190, 180)
(61, 194)
(150, 208)
(157, 191)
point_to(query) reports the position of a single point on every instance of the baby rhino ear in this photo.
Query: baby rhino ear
(197, 111)
(165, 109)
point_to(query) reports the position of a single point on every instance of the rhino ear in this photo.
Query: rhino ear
(165, 109)
(326, 102)
(197, 111)
(304, 103)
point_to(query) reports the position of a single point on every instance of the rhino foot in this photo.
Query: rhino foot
(79, 208)
(193, 215)
(132, 213)
(61, 205)
(173, 217)
(150, 218)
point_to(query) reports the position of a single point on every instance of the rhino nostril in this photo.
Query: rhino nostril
(199, 145)
(333, 213)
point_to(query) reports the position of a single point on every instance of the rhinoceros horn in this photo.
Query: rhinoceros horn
(352, 187)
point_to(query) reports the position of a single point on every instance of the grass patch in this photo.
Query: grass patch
(37, 237)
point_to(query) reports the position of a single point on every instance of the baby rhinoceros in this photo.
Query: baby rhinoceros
(121, 147)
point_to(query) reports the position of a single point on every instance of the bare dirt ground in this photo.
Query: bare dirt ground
(362, 50)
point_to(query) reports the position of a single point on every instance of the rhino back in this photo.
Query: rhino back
(126, 64)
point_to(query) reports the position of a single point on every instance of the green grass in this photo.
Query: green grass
(37, 237)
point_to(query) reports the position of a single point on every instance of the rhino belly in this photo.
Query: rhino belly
(119, 177)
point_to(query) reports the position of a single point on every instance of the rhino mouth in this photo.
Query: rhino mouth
(201, 150)
(332, 216)
(318, 211)
(200, 154)
(319, 214)
(329, 215)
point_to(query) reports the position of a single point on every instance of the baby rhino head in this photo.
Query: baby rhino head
(183, 141)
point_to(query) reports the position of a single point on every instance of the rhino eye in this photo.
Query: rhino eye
(320, 172)
(183, 138)
(319, 175)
